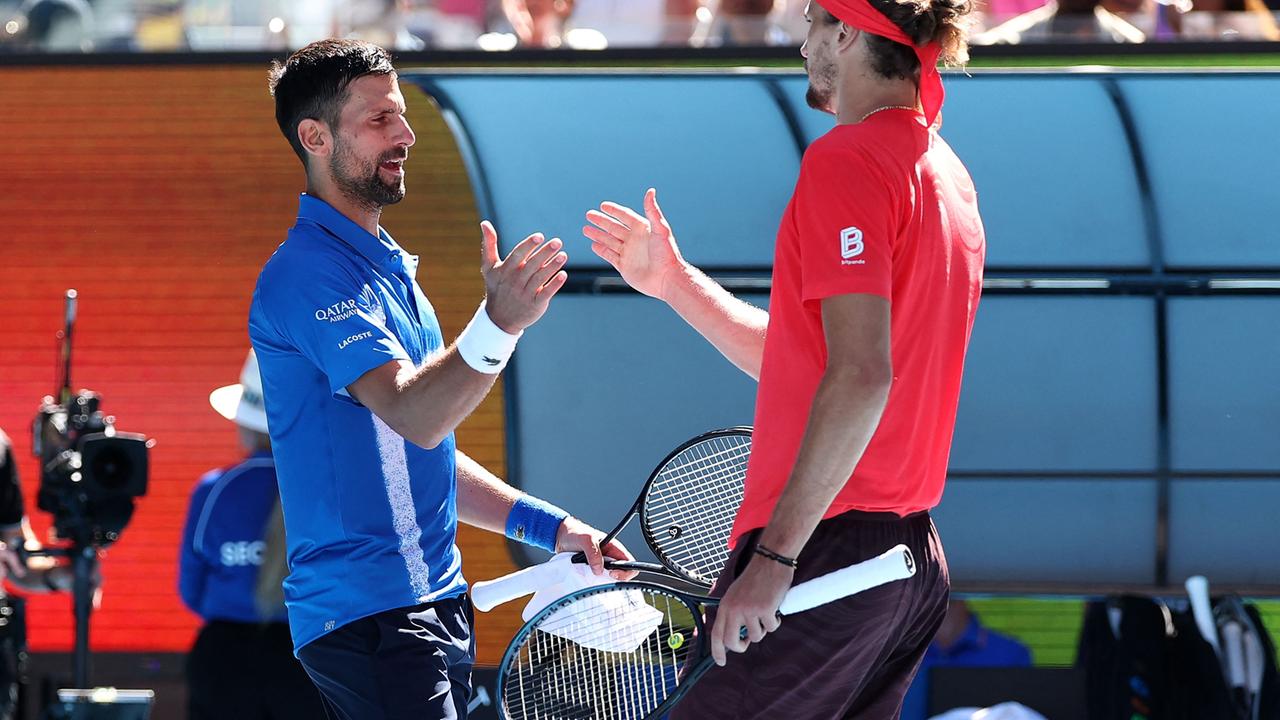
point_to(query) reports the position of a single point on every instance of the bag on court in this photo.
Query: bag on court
(1146, 660)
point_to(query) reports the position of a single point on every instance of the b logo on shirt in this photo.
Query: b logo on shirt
(851, 246)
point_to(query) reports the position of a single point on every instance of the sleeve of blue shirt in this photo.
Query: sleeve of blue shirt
(192, 568)
(318, 307)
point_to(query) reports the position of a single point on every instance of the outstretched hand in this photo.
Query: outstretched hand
(642, 248)
(519, 287)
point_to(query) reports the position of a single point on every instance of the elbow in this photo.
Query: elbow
(422, 435)
(430, 441)
(870, 378)
(418, 430)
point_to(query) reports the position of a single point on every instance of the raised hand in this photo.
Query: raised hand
(641, 248)
(519, 287)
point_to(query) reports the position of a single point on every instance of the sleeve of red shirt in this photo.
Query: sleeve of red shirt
(846, 217)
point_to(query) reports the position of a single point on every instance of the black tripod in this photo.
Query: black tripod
(84, 565)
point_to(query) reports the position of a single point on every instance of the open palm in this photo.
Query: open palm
(641, 248)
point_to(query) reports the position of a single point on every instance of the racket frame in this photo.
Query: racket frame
(638, 509)
(696, 604)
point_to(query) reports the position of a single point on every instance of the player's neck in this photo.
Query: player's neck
(360, 213)
(862, 95)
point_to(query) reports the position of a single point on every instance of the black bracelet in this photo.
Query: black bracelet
(766, 552)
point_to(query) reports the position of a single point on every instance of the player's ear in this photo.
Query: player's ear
(847, 36)
(315, 137)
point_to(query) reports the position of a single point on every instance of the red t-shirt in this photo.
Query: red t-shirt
(881, 207)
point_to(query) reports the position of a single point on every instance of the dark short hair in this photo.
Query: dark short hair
(312, 83)
(923, 21)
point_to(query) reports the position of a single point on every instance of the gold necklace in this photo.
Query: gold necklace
(888, 107)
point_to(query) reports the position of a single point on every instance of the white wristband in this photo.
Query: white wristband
(485, 346)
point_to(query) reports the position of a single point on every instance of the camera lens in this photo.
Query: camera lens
(112, 468)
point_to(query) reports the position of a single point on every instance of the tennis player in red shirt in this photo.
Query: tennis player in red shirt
(876, 279)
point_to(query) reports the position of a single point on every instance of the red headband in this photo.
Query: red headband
(860, 14)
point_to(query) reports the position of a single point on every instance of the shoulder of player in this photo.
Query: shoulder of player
(302, 262)
(845, 149)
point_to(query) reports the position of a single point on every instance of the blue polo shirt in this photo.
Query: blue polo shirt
(371, 518)
(223, 540)
(978, 646)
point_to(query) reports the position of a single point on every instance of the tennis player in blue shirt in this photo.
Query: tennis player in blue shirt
(363, 396)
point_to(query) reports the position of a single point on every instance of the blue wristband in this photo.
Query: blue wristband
(535, 522)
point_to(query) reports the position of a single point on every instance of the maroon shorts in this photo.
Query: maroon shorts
(853, 658)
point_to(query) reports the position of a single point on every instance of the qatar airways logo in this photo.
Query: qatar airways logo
(338, 311)
(347, 309)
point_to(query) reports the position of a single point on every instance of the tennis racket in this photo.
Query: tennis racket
(631, 650)
(686, 512)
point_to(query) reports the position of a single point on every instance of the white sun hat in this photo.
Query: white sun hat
(242, 403)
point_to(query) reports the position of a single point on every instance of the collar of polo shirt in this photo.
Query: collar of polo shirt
(380, 250)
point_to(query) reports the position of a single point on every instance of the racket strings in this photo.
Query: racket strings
(699, 493)
(585, 662)
(704, 512)
(705, 518)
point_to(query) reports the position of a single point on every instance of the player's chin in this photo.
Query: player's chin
(393, 192)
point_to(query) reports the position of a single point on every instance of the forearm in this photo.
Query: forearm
(490, 504)
(736, 328)
(433, 399)
(845, 413)
(484, 501)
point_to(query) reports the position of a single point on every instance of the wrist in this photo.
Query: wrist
(535, 522)
(774, 557)
(484, 345)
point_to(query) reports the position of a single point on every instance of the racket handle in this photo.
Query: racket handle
(1233, 648)
(896, 564)
(488, 594)
(1198, 593)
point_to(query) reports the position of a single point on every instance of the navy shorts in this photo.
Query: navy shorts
(411, 663)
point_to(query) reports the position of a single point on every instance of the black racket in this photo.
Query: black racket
(686, 511)
(631, 650)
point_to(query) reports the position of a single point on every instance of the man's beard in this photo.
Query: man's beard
(362, 182)
(821, 99)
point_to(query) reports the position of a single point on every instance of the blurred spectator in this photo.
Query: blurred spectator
(962, 641)
(447, 24)
(381, 22)
(1229, 20)
(230, 573)
(1068, 21)
(627, 23)
(741, 22)
(989, 13)
(538, 23)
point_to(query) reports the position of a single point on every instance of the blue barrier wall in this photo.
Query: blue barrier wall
(1120, 421)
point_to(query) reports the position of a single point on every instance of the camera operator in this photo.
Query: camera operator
(29, 574)
(230, 574)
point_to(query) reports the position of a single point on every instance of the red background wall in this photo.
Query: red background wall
(158, 193)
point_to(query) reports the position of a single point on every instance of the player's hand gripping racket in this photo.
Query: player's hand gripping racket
(686, 511)
(630, 651)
